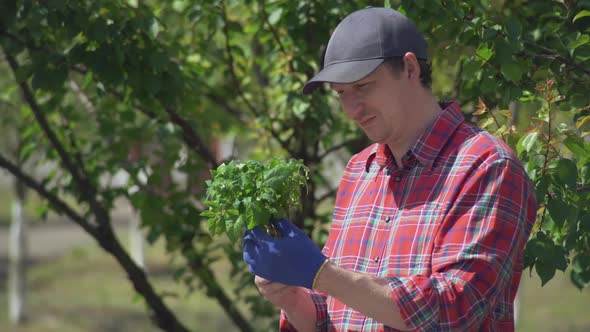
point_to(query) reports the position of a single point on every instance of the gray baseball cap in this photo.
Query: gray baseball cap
(362, 41)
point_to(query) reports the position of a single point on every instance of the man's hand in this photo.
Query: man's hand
(282, 296)
(294, 301)
(292, 259)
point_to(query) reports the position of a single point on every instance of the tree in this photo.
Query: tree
(99, 76)
(17, 244)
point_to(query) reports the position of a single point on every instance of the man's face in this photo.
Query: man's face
(376, 104)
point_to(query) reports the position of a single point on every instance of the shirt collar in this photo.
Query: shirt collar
(431, 141)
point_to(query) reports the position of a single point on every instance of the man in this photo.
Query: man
(430, 222)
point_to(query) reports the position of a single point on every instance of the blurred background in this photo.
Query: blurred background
(113, 113)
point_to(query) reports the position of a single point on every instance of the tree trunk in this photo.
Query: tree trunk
(160, 313)
(513, 106)
(17, 271)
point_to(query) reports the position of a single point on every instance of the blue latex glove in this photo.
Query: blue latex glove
(292, 259)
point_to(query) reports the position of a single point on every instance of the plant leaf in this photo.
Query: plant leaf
(567, 172)
(527, 143)
(583, 13)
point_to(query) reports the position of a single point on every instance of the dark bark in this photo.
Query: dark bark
(215, 290)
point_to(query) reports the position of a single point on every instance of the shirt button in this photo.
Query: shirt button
(376, 259)
(387, 219)
(398, 179)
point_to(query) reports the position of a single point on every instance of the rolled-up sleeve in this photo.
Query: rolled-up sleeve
(478, 245)
(319, 300)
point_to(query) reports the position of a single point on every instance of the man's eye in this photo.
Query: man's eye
(363, 86)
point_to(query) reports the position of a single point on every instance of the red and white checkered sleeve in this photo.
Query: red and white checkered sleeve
(477, 249)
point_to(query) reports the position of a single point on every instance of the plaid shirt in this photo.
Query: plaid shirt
(447, 230)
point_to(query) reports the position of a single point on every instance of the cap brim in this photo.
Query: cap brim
(343, 72)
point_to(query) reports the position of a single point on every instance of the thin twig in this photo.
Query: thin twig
(193, 140)
(74, 143)
(236, 82)
(547, 138)
(548, 141)
(336, 147)
(557, 56)
(221, 102)
(230, 62)
(550, 53)
(276, 36)
(494, 117)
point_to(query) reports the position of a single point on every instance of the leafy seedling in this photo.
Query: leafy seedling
(244, 194)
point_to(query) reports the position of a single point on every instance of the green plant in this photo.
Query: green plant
(245, 194)
(556, 157)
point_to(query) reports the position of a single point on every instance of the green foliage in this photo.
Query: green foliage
(246, 194)
(555, 156)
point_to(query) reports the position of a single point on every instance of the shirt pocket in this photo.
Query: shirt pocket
(409, 246)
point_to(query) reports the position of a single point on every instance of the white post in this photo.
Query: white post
(517, 307)
(17, 252)
(135, 238)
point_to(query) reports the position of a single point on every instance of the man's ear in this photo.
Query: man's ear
(411, 66)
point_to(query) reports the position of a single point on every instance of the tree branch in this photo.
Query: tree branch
(58, 204)
(276, 36)
(17, 40)
(87, 191)
(557, 56)
(236, 82)
(73, 142)
(230, 62)
(201, 269)
(336, 147)
(221, 102)
(191, 138)
(91, 110)
(551, 54)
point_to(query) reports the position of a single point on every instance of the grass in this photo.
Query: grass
(558, 306)
(85, 290)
